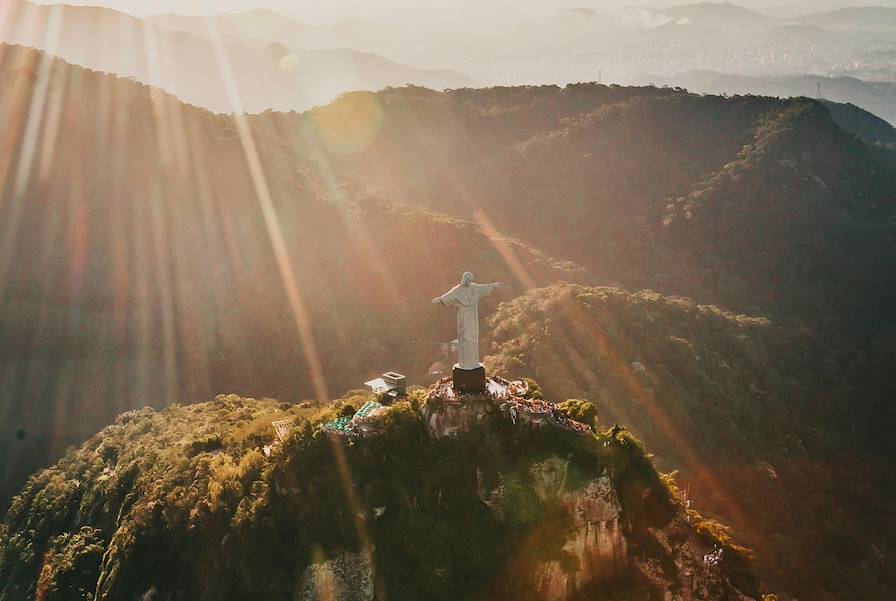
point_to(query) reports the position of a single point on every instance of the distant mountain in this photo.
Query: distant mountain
(862, 123)
(876, 97)
(723, 15)
(871, 17)
(262, 27)
(729, 16)
(187, 65)
(680, 34)
(803, 34)
(639, 184)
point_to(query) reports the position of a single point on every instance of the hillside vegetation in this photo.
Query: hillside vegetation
(756, 204)
(780, 435)
(182, 504)
(153, 271)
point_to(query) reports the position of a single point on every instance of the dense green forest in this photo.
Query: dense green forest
(148, 258)
(755, 204)
(182, 504)
(783, 436)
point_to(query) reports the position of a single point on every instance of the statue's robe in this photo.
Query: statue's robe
(466, 297)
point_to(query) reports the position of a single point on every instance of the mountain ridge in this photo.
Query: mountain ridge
(189, 66)
(874, 97)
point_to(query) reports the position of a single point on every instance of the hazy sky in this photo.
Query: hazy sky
(412, 10)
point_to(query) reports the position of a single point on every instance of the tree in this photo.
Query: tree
(579, 410)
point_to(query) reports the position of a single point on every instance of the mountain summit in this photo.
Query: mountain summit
(192, 503)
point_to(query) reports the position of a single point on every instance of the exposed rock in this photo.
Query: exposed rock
(348, 577)
(550, 478)
(452, 417)
(449, 412)
(596, 502)
(492, 498)
(597, 547)
(691, 570)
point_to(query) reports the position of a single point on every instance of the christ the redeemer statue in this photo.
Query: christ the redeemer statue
(469, 372)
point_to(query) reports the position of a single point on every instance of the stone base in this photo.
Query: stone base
(469, 381)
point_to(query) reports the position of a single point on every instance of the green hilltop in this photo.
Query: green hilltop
(183, 503)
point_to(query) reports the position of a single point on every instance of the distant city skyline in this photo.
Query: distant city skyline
(410, 10)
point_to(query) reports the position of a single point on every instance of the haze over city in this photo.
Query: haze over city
(433, 10)
(818, 49)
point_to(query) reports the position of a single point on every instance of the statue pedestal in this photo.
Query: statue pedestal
(469, 381)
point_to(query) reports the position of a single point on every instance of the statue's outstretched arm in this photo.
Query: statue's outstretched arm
(484, 290)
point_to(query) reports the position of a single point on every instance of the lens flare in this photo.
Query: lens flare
(351, 124)
(289, 63)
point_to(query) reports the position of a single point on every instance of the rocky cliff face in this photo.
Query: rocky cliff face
(687, 568)
(348, 577)
(596, 550)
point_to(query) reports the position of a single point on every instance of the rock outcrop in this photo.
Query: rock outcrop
(690, 569)
(448, 412)
(596, 552)
(348, 577)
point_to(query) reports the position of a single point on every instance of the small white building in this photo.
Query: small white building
(392, 384)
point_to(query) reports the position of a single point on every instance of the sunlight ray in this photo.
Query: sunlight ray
(590, 329)
(300, 312)
(360, 237)
(38, 102)
(163, 282)
(297, 304)
(504, 250)
(51, 129)
(27, 145)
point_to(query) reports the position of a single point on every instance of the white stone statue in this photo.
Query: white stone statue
(465, 297)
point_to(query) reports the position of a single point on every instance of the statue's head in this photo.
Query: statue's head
(467, 279)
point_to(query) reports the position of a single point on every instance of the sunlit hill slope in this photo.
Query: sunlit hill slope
(752, 203)
(154, 253)
(141, 259)
(770, 427)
